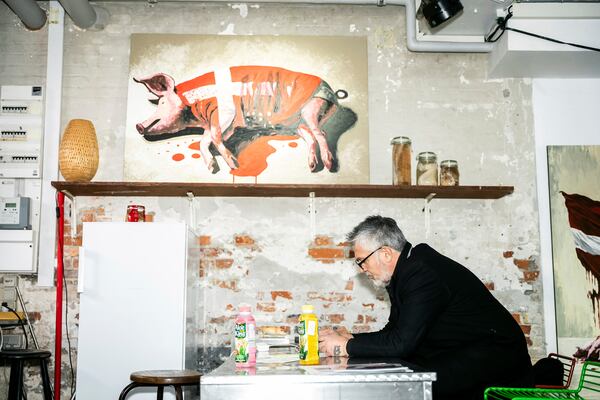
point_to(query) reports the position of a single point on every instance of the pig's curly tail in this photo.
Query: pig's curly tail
(341, 94)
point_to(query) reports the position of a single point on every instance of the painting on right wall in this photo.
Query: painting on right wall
(574, 184)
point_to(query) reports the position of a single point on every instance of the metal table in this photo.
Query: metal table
(329, 380)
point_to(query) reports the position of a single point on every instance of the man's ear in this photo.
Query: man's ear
(388, 253)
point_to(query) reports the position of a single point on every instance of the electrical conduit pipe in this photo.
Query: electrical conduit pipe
(32, 16)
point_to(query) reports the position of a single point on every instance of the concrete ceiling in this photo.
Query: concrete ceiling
(476, 20)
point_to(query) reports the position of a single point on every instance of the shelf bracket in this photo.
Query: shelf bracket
(192, 210)
(68, 194)
(312, 214)
(427, 211)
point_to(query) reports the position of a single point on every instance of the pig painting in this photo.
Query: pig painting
(232, 106)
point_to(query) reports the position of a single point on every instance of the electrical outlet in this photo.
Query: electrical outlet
(8, 291)
(11, 280)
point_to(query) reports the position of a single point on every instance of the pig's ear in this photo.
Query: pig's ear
(159, 84)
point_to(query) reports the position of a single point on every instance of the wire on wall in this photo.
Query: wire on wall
(501, 27)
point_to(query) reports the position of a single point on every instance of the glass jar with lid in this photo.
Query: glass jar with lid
(401, 163)
(449, 173)
(427, 168)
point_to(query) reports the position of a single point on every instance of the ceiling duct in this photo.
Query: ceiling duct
(32, 16)
(86, 16)
(81, 12)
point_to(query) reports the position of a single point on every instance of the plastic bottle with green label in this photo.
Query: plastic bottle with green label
(245, 337)
(308, 330)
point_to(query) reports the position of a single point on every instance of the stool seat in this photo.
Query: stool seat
(25, 354)
(160, 379)
(17, 359)
(166, 377)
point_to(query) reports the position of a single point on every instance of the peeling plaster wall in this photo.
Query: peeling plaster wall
(262, 251)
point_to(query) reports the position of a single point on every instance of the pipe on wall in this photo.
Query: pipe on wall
(85, 16)
(412, 42)
(81, 12)
(32, 16)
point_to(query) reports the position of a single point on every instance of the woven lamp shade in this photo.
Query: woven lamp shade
(78, 153)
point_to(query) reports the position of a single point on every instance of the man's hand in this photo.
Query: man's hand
(339, 330)
(332, 343)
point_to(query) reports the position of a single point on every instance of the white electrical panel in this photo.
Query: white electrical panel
(21, 100)
(19, 242)
(20, 131)
(16, 248)
(21, 141)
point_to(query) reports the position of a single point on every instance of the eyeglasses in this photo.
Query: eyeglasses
(359, 263)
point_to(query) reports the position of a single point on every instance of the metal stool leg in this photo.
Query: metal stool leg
(127, 389)
(46, 379)
(159, 392)
(15, 386)
(178, 394)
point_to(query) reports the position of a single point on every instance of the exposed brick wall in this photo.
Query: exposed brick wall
(282, 304)
(324, 249)
(275, 305)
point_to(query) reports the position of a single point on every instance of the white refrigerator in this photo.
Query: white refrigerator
(134, 282)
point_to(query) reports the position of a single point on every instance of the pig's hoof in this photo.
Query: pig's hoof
(235, 162)
(328, 161)
(214, 166)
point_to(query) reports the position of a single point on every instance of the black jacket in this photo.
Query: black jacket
(439, 308)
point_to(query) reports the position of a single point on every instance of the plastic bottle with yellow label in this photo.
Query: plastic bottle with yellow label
(308, 330)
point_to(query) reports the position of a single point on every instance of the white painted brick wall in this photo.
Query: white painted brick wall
(442, 101)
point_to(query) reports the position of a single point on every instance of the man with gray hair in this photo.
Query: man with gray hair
(442, 317)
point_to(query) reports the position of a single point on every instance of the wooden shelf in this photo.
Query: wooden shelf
(9, 316)
(179, 189)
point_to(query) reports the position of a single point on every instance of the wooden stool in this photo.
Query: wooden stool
(17, 360)
(172, 377)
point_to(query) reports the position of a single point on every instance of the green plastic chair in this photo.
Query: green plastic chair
(589, 382)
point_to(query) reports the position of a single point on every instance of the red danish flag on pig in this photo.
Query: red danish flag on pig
(271, 94)
(584, 219)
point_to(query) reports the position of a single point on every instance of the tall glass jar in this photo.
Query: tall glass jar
(401, 160)
(427, 168)
(449, 173)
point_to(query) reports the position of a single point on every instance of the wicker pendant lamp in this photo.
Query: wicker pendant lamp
(78, 153)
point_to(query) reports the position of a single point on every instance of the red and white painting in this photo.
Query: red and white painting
(247, 109)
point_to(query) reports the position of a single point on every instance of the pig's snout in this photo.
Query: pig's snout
(140, 128)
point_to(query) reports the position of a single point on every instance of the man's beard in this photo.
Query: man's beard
(380, 283)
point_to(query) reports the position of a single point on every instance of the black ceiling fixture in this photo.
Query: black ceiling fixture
(436, 12)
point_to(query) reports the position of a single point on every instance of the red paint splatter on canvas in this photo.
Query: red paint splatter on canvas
(178, 157)
(253, 159)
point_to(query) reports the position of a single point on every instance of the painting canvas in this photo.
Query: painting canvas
(575, 218)
(247, 109)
